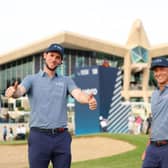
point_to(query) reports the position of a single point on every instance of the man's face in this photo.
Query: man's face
(52, 60)
(161, 75)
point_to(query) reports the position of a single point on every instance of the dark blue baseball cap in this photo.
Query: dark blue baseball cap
(159, 62)
(55, 48)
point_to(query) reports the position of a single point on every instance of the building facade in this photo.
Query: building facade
(133, 58)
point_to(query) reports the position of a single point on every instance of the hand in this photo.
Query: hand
(92, 102)
(11, 90)
(143, 155)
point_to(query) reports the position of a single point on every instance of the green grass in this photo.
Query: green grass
(18, 142)
(131, 159)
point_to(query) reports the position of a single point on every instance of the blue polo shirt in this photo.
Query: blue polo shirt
(48, 99)
(159, 106)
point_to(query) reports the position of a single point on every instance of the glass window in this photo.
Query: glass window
(18, 69)
(37, 63)
(18, 103)
(139, 55)
(30, 69)
(136, 99)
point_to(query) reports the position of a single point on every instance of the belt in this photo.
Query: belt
(159, 143)
(50, 131)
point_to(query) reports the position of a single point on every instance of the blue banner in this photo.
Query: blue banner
(99, 81)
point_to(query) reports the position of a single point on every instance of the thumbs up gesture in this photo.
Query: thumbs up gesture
(92, 102)
(11, 90)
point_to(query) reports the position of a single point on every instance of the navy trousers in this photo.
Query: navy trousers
(156, 157)
(45, 147)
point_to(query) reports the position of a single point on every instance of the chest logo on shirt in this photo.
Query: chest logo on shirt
(59, 84)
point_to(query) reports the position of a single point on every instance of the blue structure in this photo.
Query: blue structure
(100, 81)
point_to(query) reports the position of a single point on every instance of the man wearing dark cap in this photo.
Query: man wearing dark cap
(49, 139)
(156, 154)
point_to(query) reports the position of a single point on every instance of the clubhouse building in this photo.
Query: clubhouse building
(133, 59)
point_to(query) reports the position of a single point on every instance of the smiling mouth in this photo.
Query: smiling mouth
(51, 68)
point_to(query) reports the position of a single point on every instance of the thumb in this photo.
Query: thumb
(90, 96)
(15, 85)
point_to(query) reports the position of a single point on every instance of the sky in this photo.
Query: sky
(23, 22)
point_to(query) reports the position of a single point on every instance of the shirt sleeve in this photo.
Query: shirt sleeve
(71, 85)
(27, 82)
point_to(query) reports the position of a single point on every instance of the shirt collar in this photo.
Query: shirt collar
(42, 73)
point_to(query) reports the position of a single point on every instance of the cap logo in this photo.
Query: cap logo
(55, 46)
(157, 60)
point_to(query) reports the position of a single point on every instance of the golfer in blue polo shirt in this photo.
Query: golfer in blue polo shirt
(157, 151)
(49, 139)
